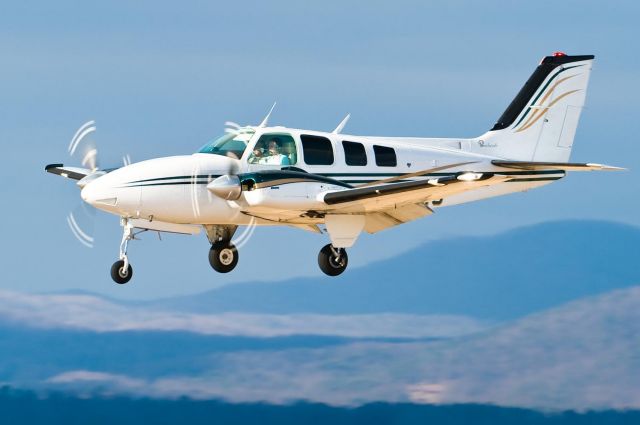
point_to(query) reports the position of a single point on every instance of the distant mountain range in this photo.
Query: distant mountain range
(496, 278)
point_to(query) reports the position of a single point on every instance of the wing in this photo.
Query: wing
(387, 203)
(74, 173)
(379, 198)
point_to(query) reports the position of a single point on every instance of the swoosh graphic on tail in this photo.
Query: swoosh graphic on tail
(546, 109)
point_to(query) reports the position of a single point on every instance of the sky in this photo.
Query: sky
(162, 81)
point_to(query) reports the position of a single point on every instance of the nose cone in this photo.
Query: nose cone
(99, 195)
(111, 193)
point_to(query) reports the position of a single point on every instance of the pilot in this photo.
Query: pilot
(273, 155)
(257, 155)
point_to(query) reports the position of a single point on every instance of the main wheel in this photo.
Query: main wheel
(223, 257)
(119, 274)
(332, 261)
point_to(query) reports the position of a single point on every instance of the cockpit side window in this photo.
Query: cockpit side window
(274, 149)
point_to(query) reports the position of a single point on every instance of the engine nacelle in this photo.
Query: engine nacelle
(284, 189)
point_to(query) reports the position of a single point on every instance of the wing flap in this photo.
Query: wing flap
(375, 222)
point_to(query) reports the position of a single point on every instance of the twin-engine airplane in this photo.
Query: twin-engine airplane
(347, 184)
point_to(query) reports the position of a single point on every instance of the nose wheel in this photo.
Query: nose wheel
(332, 261)
(223, 256)
(120, 273)
(121, 270)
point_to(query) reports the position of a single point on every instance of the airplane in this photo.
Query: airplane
(339, 184)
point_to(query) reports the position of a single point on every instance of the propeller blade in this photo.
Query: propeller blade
(81, 223)
(230, 126)
(83, 147)
(83, 131)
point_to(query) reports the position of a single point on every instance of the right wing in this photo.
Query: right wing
(75, 173)
(377, 221)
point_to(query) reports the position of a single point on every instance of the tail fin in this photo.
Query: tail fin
(540, 123)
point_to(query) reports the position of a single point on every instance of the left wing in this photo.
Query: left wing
(562, 166)
(381, 197)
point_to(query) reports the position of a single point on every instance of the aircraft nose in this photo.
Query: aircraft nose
(95, 194)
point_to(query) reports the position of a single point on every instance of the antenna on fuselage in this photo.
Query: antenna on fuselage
(266, 119)
(342, 124)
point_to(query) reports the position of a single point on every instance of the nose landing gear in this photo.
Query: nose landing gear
(332, 261)
(121, 273)
(121, 270)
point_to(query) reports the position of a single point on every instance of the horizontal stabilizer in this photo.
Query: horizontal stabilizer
(74, 173)
(565, 166)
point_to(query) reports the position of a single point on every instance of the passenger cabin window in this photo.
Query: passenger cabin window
(274, 149)
(354, 153)
(317, 150)
(385, 157)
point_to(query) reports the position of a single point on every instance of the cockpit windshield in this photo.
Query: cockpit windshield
(231, 144)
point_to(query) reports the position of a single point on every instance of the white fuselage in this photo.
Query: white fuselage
(174, 189)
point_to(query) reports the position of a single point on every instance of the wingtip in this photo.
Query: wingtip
(605, 167)
(52, 166)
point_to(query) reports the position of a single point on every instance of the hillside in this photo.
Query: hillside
(497, 277)
(581, 355)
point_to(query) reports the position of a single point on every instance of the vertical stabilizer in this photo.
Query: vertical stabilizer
(541, 121)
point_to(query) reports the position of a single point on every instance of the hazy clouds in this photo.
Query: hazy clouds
(97, 314)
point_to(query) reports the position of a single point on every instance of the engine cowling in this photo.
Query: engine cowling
(276, 189)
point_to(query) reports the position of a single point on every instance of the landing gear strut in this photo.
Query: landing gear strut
(332, 261)
(121, 270)
(223, 256)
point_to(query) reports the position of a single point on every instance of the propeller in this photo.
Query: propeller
(84, 149)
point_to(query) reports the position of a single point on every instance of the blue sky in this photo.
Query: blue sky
(162, 80)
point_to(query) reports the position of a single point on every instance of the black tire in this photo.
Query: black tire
(118, 274)
(329, 263)
(223, 257)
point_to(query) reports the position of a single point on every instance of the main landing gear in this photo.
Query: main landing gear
(121, 270)
(332, 261)
(223, 256)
